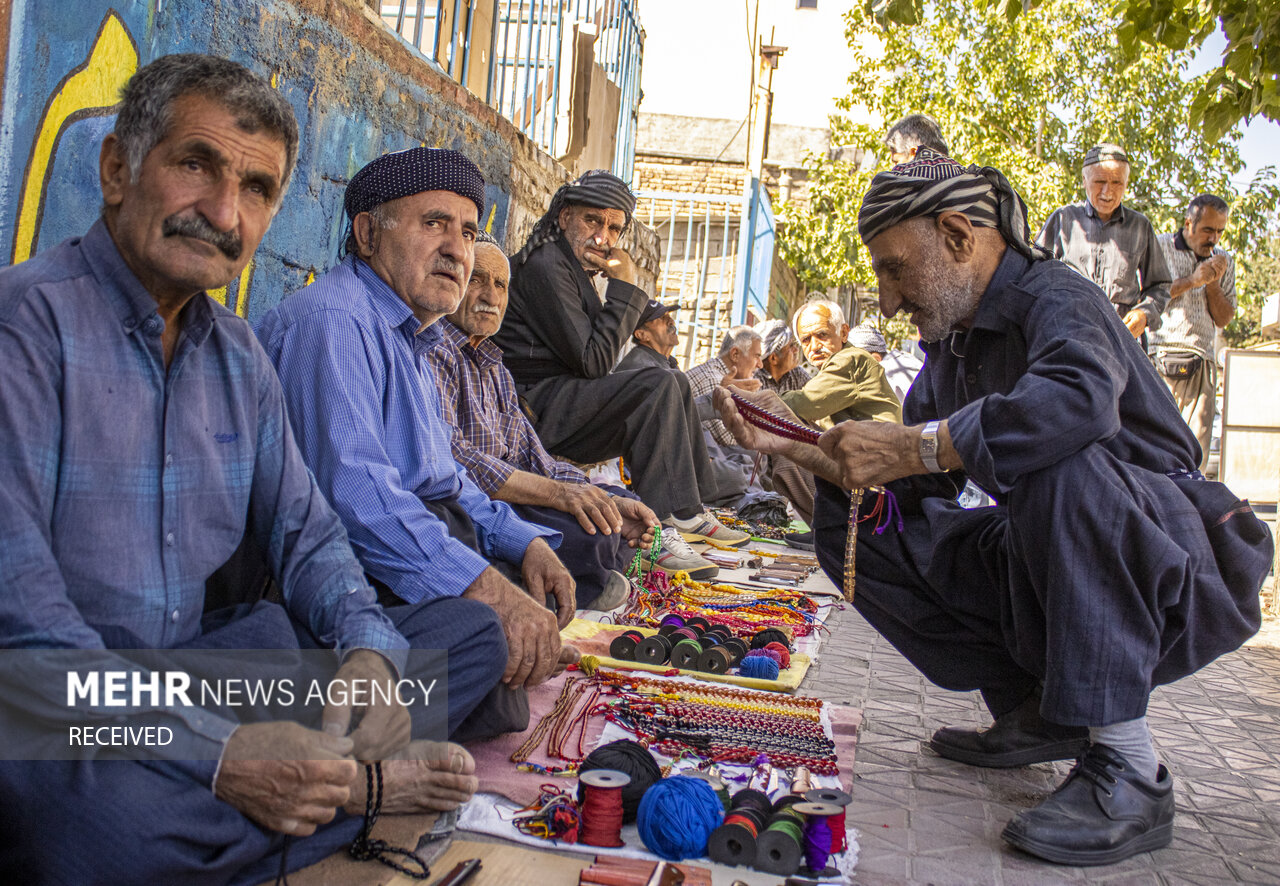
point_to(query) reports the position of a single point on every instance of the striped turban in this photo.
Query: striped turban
(597, 188)
(932, 184)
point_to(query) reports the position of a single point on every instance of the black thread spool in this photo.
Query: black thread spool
(780, 846)
(769, 635)
(684, 655)
(715, 660)
(739, 648)
(666, 629)
(654, 650)
(624, 645)
(734, 842)
(724, 632)
(786, 801)
(698, 623)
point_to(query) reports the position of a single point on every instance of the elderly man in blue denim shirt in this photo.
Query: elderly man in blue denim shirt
(143, 435)
(351, 350)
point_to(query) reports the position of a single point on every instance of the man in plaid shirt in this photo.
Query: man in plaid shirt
(497, 445)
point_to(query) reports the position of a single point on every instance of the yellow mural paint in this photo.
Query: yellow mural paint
(488, 225)
(222, 296)
(95, 85)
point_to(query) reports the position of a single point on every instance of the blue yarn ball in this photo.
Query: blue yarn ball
(677, 816)
(759, 666)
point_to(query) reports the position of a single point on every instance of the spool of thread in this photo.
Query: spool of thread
(677, 816)
(758, 667)
(624, 645)
(684, 654)
(784, 654)
(769, 635)
(734, 842)
(739, 648)
(780, 847)
(633, 760)
(724, 632)
(715, 660)
(698, 622)
(654, 650)
(818, 841)
(685, 633)
(602, 807)
(706, 641)
(673, 621)
(839, 799)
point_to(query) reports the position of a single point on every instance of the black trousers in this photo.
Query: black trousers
(646, 416)
(1097, 579)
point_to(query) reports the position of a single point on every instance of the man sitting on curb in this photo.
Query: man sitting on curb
(654, 339)
(781, 370)
(351, 351)
(143, 438)
(850, 385)
(500, 451)
(560, 343)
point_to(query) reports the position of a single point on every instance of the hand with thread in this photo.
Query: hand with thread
(638, 521)
(384, 724)
(286, 777)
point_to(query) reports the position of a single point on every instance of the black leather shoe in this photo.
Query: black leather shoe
(1103, 813)
(1018, 738)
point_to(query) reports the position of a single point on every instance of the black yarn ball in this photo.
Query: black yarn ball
(632, 758)
(767, 636)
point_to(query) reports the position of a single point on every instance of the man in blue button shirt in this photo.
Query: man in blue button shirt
(351, 350)
(143, 436)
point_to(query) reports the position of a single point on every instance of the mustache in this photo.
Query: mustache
(444, 265)
(198, 228)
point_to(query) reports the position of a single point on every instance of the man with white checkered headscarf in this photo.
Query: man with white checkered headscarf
(1108, 564)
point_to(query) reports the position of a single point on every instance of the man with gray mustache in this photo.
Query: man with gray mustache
(351, 351)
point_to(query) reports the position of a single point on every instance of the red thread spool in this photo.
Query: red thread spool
(602, 807)
(839, 842)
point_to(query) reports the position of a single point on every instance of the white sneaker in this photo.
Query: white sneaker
(677, 556)
(615, 593)
(705, 527)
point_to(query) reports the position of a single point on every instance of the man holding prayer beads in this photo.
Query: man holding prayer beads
(1108, 564)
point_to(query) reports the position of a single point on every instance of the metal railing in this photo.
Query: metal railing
(698, 234)
(525, 42)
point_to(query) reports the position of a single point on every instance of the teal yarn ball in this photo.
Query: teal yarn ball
(677, 816)
(759, 666)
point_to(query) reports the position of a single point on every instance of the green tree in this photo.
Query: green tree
(1027, 96)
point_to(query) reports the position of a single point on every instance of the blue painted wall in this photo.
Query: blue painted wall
(356, 93)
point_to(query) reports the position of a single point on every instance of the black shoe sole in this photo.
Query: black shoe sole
(1157, 838)
(1067, 749)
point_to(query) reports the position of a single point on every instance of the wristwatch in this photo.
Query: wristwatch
(929, 448)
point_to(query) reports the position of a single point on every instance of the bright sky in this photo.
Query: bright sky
(697, 63)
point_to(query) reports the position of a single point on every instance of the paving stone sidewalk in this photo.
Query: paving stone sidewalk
(922, 819)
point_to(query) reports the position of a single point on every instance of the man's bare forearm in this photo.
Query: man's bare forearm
(524, 488)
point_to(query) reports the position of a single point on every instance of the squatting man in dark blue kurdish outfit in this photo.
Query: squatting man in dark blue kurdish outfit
(1108, 564)
(143, 436)
(351, 350)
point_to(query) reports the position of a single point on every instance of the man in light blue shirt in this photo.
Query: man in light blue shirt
(143, 436)
(351, 351)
